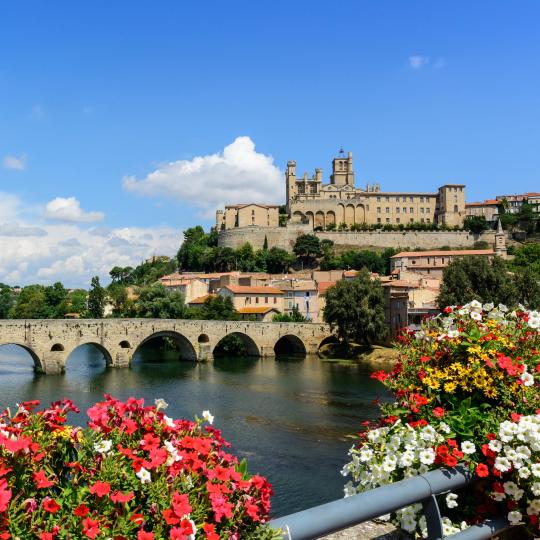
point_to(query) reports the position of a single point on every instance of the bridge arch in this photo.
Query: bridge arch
(38, 366)
(124, 344)
(185, 347)
(57, 347)
(107, 356)
(328, 339)
(289, 344)
(251, 347)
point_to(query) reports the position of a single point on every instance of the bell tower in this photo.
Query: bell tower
(500, 241)
(342, 170)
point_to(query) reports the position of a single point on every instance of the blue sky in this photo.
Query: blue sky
(106, 106)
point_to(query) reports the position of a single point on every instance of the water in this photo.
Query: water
(289, 417)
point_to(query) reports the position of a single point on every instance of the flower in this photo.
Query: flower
(160, 404)
(515, 517)
(481, 470)
(144, 476)
(208, 417)
(41, 480)
(50, 505)
(451, 500)
(103, 446)
(100, 488)
(467, 447)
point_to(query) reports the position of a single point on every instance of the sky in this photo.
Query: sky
(123, 123)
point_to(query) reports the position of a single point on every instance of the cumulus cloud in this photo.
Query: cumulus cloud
(69, 209)
(17, 230)
(33, 252)
(238, 174)
(418, 61)
(17, 163)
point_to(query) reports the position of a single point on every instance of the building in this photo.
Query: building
(433, 262)
(246, 215)
(311, 201)
(513, 203)
(299, 293)
(257, 313)
(189, 287)
(244, 296)
(488, 208)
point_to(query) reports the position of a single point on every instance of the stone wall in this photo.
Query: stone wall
(285, 237)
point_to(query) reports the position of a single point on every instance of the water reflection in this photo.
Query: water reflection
(289, 416)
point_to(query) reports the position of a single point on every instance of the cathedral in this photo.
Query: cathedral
(310, 201)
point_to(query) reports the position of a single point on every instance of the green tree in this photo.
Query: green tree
(96, 299)
(216, 308)
(475, 224)
(75, 302)
(527, 256)
(355, 310)
(156, 301)
(307, 248)
(278, 261)
(477, 278)
(294, 316)
(7, 300)
(528, 288)
(31, 303)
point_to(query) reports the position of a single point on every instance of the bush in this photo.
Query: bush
(133, 473)
(466, 390)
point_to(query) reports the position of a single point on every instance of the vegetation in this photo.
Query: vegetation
(476, 224)
(373, 261)
(477, 278)
(355, 310)
(96, 299)
(294, 316)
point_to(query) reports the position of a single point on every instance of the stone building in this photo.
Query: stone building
(488, 208)
(311, 201)
(247, 215)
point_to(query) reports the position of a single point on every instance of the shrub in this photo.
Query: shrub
(133, 473)
(466, 390)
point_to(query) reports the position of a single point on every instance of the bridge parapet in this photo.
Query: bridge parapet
(51, 341)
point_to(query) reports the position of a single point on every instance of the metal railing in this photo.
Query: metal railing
(337, 515)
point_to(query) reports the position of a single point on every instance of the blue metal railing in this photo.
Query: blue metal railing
(337, 515)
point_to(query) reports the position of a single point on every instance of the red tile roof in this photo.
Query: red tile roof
(244, 289)
(442, 253)
(255, 310)
(202, 299)
(324, 286)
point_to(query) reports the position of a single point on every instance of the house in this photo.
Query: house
(262, 313)
(488, 208)
(243, 296)
(189, 287)
(200, 300)
(433, 262)
(300, 293)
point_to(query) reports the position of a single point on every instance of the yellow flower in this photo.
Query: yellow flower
(450, 387)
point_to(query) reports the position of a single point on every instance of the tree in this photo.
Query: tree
(477, 278)
(294, 316)
(216, 308)
(75, 302)
(265, 244)
(475, 224)
(156, 301)
(355, 310)
(278, 261)
(96, 299)
(307, 248)
(528, 288)
(527, 256)
(7, 300)
(31, 304)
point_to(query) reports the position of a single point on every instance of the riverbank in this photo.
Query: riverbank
(368, 355)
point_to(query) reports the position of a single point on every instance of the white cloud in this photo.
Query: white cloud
(418, 61)
(14, 162)
(35, 252)
(238, 174)
(69, 209)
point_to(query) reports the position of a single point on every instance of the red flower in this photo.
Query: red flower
(41, 480)
(379, 375)
(5, 495)
(46, 536)
(81, 510)
(100, 488)
(143, 535)
(50, 505)
(90, 528)
(425, 359)
(438, 412)
(515, 417)
(119, 497)
(481, 470)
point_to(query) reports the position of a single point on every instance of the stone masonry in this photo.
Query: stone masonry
(50, 342)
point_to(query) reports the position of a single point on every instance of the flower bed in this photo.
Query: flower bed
(133, 473)
(466, 389)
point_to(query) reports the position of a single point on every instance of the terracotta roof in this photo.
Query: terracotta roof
(350, 273)
(400, 283)
(244, 289)
(489, 202)
(443, 253)
(202, 299)
(324, 286)
(255, 310)
(243, 205)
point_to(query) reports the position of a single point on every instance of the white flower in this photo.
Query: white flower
(514, 517)
(488, 307)
(389, 464)
(524, 472)
(103, 446)
(208, 417)
(365, 454)
(467, 447)
(168, 421)
(476, 316)
(503, 308)
(527, 379)
(453, 333)
(535, 488)
(502, 464)
(406, 459)
(427, 457)
(534, 507)
(451, 500)
(160, 404)
(535, 469)
(495, 445)
(144, 475)
(444, 427)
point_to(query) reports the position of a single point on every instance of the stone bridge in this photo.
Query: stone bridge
(50, 341)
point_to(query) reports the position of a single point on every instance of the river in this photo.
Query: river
(289, 417)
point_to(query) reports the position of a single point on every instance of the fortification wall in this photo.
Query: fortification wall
(285, 237)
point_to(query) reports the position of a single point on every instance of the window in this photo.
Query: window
(307, 293)
(404, 209)
(411, 199)
(275, 300)
(301, 188)
(266, 299)
(422, 210)
(456, 208)
(428, 220)
(404, 199)
(256, 299)
(387, 209)
(289, 294)
(290, 304)
(397, 199)
(421, 199)
(422, 220)
(387, 199)
(411, 220)
(378, 220)
(411, 209)
(397, 220)
(378, 199)
(378, 209)
(313, 189)
(387, 220)
(397, 210)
